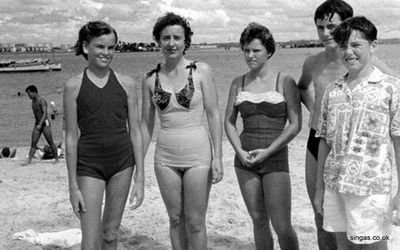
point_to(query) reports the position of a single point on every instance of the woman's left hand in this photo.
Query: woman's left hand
(137, 195)
(257, 156)
(217, 171)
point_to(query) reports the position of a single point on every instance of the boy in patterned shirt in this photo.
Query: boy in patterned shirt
(359, 123)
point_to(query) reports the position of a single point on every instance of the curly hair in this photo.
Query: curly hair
(92, 30)
(258, 31)
(170, 19)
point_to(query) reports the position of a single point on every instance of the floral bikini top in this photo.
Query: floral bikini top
(184, 96)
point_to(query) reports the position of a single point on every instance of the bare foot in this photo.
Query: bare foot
(25, 163)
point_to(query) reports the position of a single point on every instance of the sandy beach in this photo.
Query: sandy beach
(36, 197)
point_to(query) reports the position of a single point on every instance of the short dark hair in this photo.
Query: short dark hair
(361, 24)
(170, 19)
(92, 30)
(258, 31)
(328, 8)
(6, 152)
(31, 88)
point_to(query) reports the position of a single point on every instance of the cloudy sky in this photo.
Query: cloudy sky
(58, 21)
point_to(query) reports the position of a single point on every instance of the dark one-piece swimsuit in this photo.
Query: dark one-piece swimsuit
(104, 146)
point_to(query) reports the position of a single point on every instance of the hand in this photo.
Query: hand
(37, 127)
(77, 202)
(243, 157)
(257, 156)
(319, 200)
(137, 194)
(217, 170)
(396, 210)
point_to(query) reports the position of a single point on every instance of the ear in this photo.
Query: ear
(84, 47)
(373, 46)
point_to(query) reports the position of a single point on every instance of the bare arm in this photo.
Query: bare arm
(231, 113)
(323, 151)
(213, 117)
(383, 67)
(292, 97)
(43, 107)
(71, 89)
(307, 94)
(148, 114)
(135, 133)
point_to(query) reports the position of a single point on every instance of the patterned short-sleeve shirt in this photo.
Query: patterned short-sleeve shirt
(358, 125)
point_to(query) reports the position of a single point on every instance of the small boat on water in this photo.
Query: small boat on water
(28, 65)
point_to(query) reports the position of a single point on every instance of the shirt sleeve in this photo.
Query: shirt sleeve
(323, 118)
(395, 113)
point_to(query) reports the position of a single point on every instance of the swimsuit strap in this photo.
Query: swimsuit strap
(243, 81)
(277, 82)
(184, 97)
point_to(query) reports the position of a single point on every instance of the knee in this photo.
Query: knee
(194, 227)
(110, 235)
(284, 230)
(176, 220)
(259, 219)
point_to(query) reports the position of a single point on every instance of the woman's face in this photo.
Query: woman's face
(172, 41)
(255, 54)
(100, 50)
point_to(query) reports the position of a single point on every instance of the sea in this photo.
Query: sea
(16, 117)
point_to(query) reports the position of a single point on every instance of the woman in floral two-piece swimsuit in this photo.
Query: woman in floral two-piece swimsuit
(186, 160)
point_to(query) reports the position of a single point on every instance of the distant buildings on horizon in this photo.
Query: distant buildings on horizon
(140, 46)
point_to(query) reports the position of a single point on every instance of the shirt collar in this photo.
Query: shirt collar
(375, 77)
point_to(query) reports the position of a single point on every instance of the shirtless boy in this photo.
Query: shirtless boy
(318, 71)
(42, 124)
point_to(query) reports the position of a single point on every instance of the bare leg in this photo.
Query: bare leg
(170, 183)
(326, 240)
(251, 188)
(49, 138)
(277, 194)
(92, 190)
(34, 141)
(117, 189)
(196, 189)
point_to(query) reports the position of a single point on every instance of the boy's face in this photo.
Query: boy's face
(357, 52)
(325, 26)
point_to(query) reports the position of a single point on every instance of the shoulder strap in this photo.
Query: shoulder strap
(243, 81)
(156, 70)
(277, 87)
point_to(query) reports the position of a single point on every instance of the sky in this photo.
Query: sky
(58, 21)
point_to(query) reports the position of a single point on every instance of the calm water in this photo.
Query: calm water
(16, 118)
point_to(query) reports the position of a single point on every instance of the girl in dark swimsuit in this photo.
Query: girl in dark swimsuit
(266, 101)
(103, 105)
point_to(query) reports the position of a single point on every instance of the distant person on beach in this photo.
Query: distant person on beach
(318, 71)
(103, 106)
(7, 152)
(42, 123)
(358, 125)
(188, 157)
(46, 153)
(266, 100)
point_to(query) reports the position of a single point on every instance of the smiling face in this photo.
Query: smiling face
(172, 41)
(324, 28)
(100, 50)
(357, 52)
(255, 54)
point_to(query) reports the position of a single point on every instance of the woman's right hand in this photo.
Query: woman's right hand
(243, 157)
(76, 199)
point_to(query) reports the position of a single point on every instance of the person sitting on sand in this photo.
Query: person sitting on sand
(7, 152)
(46, 153)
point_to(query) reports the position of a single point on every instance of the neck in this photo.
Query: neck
(360, 74)
(261, 72)
(173, 64)
(332, 54)
(99, 72)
